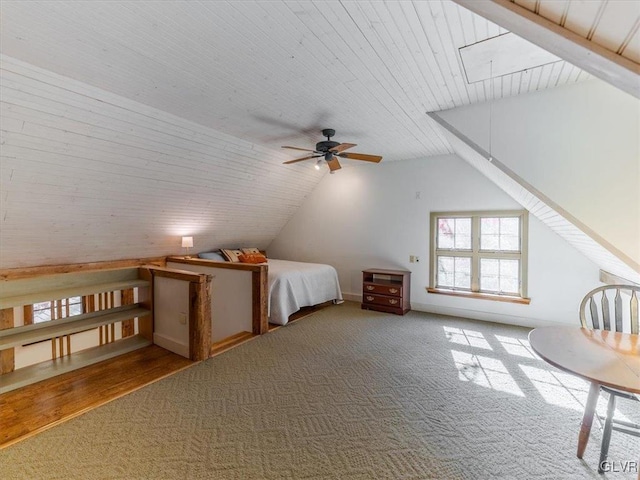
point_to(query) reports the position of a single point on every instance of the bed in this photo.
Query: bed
(247, 297)
(293, 285)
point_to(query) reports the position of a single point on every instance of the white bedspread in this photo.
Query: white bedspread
(293, 285)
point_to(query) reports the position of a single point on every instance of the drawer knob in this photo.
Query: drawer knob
(393, 301)
(370, 298)
(370, 287)
(393, 290)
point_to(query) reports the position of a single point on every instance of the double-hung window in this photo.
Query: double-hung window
(481, 254)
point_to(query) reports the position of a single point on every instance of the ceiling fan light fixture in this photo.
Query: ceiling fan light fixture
(329, 151)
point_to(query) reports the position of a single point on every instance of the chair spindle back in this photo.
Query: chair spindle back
(600, 311)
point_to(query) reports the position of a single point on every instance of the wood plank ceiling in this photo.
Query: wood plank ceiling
(610, 24)
(276, 72)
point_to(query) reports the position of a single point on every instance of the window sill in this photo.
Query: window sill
(481, 296)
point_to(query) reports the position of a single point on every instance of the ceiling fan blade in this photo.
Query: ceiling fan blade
(301, 159)
(298, 148)
(334, 164)
(342, 147)
(361, 156)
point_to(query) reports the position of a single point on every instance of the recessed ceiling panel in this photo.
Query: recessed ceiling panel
(502, 55)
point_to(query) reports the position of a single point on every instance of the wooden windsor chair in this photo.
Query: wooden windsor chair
(611, 312)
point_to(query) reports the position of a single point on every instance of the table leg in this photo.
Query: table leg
(587, 419)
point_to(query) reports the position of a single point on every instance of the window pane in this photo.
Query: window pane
(446, 228)
(454, 233)
(510, 233)
(41, 312)
(489, 275)
(499, 275)
(510, 226)
(462, 278)
(490, 226)
(489, 242)
(463, 233)
(445, 272)
(500, 234)
(454, 272)
(509, 276)
(489, 233)
(75, 305)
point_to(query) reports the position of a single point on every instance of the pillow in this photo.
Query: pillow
(250, 250)
(252, 258)
(231, 254)
(212, 256)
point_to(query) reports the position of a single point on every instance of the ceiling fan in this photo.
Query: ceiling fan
(331, 150)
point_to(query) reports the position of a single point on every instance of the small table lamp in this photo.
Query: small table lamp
(187, 242)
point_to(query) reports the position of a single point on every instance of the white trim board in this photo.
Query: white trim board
(585, 54)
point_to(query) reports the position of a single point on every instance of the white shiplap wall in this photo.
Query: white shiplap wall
(86, 175)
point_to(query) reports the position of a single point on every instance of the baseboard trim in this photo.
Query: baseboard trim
(472, 314)
(171, 345)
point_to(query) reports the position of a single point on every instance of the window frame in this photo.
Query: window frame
(476, 254)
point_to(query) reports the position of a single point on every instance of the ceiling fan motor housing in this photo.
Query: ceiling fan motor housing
(326, 145)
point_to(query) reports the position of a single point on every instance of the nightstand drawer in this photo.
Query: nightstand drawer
(381, 300)
(395, 290)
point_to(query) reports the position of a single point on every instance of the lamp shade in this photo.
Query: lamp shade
(187, 242)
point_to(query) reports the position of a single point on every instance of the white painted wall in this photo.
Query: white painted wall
(170, 306)
(578, 144)
(369, 216)
(231, 299)
(87, 175)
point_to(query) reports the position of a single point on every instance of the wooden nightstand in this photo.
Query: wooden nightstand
(386, 290)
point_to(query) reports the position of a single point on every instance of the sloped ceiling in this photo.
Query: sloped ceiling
(275, 73)
(127, 124)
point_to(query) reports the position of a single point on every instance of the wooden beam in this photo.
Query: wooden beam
(7, 358)
(200, 319)
(28, 314)
(184, 275)
(145, 299)
(252, 267)
(128, 326)
(29, 272)
(260, 285)
(585, 54)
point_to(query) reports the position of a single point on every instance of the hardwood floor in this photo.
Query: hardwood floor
(34, 408)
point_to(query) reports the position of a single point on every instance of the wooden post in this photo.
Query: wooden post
(260, 291)
(7, 358)
(28, 314)
(145, 299)
(200, 319)
(128, 326)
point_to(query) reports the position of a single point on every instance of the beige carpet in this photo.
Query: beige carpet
(341, 394)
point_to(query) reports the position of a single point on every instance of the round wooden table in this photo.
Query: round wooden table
(602, 357)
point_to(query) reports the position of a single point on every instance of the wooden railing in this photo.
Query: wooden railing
(107, 301)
